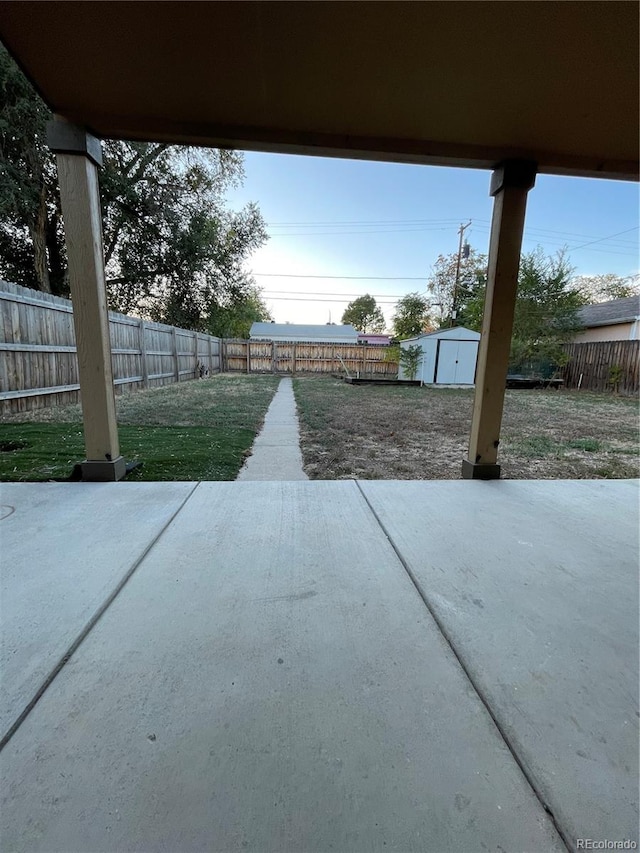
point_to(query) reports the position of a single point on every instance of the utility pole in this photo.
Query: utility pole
(461, 231)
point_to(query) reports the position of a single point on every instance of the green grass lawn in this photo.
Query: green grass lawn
(199, 430)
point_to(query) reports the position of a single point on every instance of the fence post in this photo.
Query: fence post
(221, 355)
(248, 357)
(143, 356)
(210, 355)
(174, 337)
(293, 360)
(196, 372)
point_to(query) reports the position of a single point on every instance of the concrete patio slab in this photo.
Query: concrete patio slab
(269, 679)
(65, 547)
(536, 585)
(276, 451)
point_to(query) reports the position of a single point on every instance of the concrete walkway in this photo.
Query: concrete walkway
(276, 451)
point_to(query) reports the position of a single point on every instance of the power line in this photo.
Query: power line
(347, 233)
(319, 299)
(343, 277)
(601, 239)
(324, 293)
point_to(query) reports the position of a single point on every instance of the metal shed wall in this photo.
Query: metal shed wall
(449, 357)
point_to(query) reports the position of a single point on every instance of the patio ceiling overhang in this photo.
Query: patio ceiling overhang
(468, 84)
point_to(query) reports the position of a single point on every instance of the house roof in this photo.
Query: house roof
(301, 330)
(608, 313)
(465, 83)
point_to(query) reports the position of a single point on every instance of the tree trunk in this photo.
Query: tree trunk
(39, 237)
(58, 274)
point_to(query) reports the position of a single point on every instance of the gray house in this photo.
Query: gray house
(328, 333)
(616, 320)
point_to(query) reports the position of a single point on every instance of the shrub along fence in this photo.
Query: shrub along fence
(604, 366)
(38, 364)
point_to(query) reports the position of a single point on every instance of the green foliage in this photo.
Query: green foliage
(29, 208)
(546, 312)
(603, 288)
(234, 319)
(410, 359)
(364, 315)
(172, 248)
(616, 375)
(468, 295)
(412, 316)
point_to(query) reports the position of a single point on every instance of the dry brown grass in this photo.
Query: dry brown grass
(390, 432)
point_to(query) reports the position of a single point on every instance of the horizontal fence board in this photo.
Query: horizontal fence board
(38, 362)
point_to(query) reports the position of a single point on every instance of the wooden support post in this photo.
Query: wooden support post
(78, 154)
(293, 360)
(144, 370)
(176, 358)
(210, 356)
(273, 356)
(248, 357)
(510, 183)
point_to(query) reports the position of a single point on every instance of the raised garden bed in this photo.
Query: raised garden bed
(516, 381)
(355, 380)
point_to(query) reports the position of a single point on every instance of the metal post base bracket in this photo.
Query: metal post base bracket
(477, 471)
(109, 471)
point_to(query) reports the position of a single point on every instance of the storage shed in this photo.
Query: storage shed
(449, 356)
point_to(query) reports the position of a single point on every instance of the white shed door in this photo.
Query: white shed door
(457, 362)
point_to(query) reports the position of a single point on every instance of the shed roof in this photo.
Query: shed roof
(462, 83)
(454, 333)
(608, 313)
(300, 330)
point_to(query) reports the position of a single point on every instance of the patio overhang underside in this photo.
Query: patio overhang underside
(468, 84)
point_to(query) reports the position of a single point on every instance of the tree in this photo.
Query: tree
(412, 316)
(410, 359)
(29, 209)
(172, 248)
(234, 320)
(447, 297)
(602, 288)
(364, 315)
(546, 312)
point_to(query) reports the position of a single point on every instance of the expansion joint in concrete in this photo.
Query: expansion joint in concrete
(90, 625)
(524, 769)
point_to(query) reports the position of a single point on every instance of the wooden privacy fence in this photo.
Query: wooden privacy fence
(38, 364)
(604, 366)
(291, 357)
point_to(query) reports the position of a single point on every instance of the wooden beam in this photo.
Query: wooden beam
(79, 193)
(510, 185)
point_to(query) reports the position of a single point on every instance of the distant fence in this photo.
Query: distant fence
(604, 366)
(38, 364)
(291, 357)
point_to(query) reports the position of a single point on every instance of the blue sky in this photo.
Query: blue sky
(331, 219)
